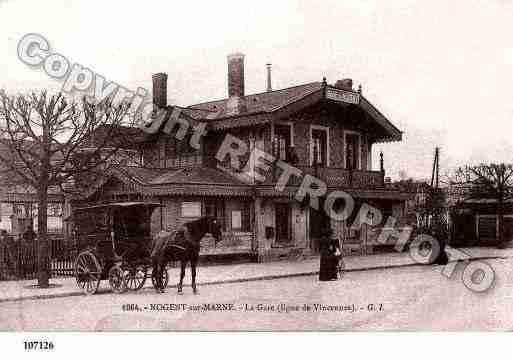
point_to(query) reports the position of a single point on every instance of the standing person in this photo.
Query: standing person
(29, 235)
(7, 256)
(442, 258)
(29, 252)
(439, 232)
(11, 248)
(292, 156)
(329, 249)
(158, 256)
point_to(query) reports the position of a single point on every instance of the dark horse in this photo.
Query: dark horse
(184, 246)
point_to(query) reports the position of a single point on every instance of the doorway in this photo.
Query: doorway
(352, 151)
(283, 223)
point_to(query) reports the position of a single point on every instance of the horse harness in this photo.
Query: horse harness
(170, 240)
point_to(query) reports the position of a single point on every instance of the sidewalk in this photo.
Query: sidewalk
(208, 275)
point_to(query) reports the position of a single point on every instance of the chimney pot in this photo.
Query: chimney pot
(269, 84)
(160, 89)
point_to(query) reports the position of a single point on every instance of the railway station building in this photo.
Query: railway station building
(324, 132)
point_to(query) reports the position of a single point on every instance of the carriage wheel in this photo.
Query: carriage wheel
(87, 272)
(117, 279)
(136, 277)
(165, 278)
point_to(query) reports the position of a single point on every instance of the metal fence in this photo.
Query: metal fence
(18, 260)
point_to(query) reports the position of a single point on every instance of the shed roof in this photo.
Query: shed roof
(119, 205)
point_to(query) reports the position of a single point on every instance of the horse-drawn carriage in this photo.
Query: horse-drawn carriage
(113, 242)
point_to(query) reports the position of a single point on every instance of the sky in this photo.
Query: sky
(441, 71)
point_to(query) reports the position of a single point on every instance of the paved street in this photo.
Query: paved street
(230, 273)
(410, 298)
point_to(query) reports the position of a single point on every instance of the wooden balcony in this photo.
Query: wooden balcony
(332, 176)
(335, 177)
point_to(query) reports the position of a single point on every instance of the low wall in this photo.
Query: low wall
(232, 242)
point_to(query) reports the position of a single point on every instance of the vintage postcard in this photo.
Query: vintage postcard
(255, 166)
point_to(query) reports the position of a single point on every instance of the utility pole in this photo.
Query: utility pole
(436, 169)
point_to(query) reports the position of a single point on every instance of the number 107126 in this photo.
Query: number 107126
(38, 345)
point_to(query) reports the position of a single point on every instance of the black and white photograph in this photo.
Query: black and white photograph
(263, 166)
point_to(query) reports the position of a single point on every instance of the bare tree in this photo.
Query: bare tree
(487, 181)
(51, 142)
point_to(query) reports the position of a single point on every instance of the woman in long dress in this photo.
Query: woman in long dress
(329, 249)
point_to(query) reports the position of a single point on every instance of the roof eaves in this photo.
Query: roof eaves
(396, 134)
(116, 171)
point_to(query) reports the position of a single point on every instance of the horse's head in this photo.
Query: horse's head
(202, 226)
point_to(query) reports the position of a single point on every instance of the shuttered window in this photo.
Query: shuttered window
(487, 227)
(191, 209)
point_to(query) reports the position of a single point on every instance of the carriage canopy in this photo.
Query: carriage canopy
(125, 219)
(112, 240)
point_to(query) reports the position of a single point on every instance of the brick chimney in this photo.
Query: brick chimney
(160, 89)
(236, 75)
(235, 104)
